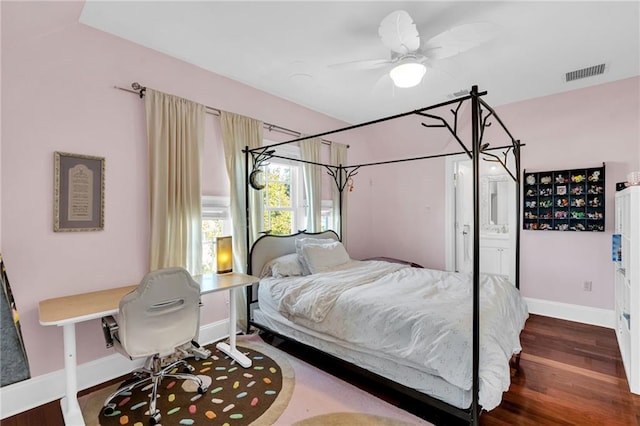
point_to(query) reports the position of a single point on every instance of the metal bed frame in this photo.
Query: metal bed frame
(481, 113)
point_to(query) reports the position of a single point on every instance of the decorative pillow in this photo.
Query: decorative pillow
(303, 241)
(283, 266)
(324, 257)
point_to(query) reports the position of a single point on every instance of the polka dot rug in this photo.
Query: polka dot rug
(235, 395)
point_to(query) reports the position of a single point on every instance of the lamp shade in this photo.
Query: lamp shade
(407, 74)
(224, 255)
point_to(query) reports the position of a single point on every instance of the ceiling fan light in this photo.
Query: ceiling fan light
(408, 74)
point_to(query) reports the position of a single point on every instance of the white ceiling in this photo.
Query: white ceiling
(287, 48)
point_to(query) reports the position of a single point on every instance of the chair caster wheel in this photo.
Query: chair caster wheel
(202, 390)
(155, 419)
(108, 409)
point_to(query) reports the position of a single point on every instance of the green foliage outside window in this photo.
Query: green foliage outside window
(278, 212)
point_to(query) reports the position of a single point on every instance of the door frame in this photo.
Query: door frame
(450, 209)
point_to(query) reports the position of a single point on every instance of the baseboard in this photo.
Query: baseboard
(577, 313)
(39, 390)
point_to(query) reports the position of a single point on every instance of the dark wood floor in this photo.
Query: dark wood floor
(570, 374)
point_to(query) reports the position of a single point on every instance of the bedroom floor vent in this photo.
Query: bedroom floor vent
(585, 72)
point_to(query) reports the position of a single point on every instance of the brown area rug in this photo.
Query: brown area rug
(236, 396)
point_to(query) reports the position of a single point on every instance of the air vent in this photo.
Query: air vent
(585, 72)
(458, 94)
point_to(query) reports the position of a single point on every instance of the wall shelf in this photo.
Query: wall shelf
(564, 200)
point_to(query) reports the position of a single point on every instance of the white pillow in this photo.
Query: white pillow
(283, 266)
(324, 257)
(303, 241)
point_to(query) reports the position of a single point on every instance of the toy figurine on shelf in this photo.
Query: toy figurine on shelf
(595, 189)
(577, 178)
(561, 179)
(595, 202)
(545, 180)
(578, 202)
(561, 214)
(530, 204)
(545, 227)
(578, 227)
(562, 202)
(577, 190)
(595, 176)
(531, 192)
(562, 226)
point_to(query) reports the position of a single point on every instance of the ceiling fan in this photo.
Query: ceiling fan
(409, 55)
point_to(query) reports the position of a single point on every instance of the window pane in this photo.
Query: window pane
(279, 172)
(278, 194)
(280, 222)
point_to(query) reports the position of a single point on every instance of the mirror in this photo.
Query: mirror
(494, 203)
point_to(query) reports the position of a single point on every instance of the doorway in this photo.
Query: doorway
(497, 218)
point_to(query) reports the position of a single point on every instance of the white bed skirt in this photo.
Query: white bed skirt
(410, 377)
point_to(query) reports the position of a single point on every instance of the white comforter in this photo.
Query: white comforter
(419, 317)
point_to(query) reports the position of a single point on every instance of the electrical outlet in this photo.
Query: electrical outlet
(586, 286)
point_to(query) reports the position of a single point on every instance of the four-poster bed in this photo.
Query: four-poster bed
(275, 306)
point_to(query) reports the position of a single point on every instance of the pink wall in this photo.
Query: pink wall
(581, 128)
(58, 95)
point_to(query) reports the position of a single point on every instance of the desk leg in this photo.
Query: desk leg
(230, 349)
(69, 404)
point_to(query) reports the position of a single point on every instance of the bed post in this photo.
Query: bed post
(246, 204)
(516, 151)
(249, 289)
(340, 187)
(475, 117)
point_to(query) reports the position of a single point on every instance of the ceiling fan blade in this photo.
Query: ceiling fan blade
(369, 64)
(399, 33)
(459, 39)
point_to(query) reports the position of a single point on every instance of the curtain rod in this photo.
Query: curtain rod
(139, 90)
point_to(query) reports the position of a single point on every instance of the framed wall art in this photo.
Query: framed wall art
(564, 200)
(78, 192)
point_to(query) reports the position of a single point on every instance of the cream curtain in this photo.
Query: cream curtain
(175, 134)
(239, 132)
(310, 151)
(339, 158)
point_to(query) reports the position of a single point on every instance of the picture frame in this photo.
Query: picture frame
(78, 192)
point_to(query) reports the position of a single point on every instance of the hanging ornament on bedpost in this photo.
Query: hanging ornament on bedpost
(256, 178)
(350, 184)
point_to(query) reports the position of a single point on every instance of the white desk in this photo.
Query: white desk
(66, 311)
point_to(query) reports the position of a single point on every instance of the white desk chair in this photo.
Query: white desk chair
(159, 316)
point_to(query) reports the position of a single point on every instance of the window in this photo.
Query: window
(285, 208)
(283, 212)
(216, 222)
